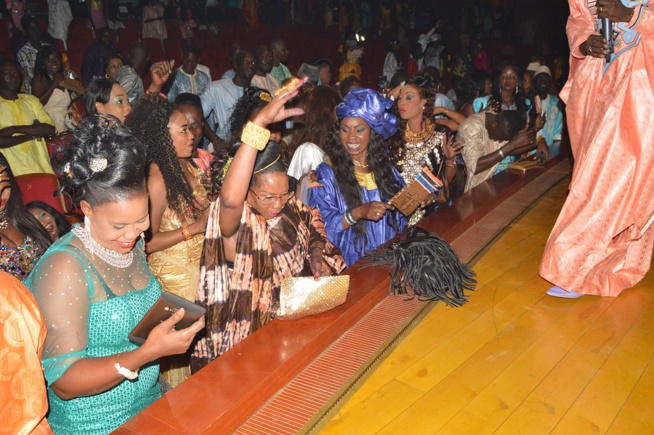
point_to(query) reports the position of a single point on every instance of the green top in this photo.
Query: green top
(90, 307)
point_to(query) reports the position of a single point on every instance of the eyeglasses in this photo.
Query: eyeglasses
(271, 199)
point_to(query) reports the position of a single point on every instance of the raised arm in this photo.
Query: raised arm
(237, 180)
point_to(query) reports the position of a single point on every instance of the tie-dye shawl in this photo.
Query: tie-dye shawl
(240, 301)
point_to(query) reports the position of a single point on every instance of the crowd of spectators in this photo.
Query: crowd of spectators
(217, 185)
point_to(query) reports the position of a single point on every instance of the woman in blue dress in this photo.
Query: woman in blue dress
(93, 286)
(358, 180)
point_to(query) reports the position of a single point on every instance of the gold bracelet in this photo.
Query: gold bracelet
(186, 233)
(255, 136)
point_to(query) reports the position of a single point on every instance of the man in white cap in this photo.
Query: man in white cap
(550, 106)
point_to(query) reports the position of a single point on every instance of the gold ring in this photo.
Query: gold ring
(590, 49)
(377, 214)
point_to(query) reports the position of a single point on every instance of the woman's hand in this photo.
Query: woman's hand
(452, 148)
(371, 211)
(275, 110)
(319, 266)
(165, 340)
(431, 198)
(614, 10)
(595, 46)
(313, 180)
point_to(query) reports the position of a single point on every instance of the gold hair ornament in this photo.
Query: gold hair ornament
(288, 86)
(268, 165)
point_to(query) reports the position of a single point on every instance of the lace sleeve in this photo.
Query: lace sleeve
(60, 284)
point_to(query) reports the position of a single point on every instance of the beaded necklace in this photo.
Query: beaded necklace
(109, 256)
(4, 221)
(416, 156)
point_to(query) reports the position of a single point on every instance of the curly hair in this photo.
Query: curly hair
(252, 99)
(19, 216)
(343, 167)
(102, 137)
(149, 122)
(427, 89)
(319, 104)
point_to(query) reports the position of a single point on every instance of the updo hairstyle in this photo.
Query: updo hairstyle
(104, 162)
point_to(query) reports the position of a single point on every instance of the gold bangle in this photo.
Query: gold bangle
(292, 83)
(186, 233)
(255, 136)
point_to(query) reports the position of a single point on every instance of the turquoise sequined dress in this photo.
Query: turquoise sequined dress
(90, 308)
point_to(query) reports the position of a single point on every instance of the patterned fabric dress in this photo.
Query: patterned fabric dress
(242, 299)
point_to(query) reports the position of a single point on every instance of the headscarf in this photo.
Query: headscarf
(372, 107)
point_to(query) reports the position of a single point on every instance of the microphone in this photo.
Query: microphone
(607, 33)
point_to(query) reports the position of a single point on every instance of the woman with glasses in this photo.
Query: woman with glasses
(257, 235)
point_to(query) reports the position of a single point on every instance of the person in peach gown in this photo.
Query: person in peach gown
(23, 397)
(602, 241)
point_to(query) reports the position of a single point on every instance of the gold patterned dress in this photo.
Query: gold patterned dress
(178, 270)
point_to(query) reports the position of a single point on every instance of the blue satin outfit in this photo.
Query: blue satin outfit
(329, 200)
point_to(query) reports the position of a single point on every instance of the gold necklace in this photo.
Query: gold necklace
(359, 165)
(421, 135)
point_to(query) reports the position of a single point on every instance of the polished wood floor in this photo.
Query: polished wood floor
(514, 360)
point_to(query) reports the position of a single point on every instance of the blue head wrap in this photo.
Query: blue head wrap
(371, 106)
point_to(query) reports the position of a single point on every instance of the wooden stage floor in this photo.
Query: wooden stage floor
(514, 360)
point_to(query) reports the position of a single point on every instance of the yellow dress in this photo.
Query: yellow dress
(178, 270)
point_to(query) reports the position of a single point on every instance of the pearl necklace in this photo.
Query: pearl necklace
(109, 256)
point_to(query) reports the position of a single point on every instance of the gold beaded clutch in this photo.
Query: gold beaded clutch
(306, 296)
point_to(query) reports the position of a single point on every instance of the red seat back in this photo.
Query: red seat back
(40, 187)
